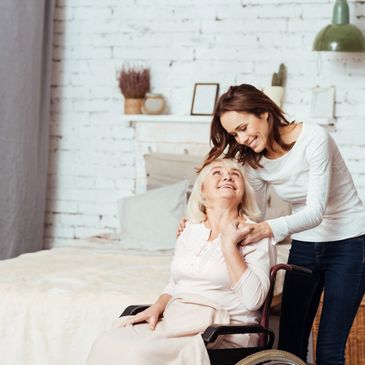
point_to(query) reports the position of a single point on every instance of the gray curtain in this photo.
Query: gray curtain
(25, 49)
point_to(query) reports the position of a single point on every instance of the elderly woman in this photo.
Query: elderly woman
(213, 280)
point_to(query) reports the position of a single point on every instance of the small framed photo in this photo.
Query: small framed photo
(323, 102)
(204, 98)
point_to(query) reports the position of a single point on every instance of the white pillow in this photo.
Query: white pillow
(149, 221)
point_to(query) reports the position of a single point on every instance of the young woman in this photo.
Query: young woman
(304, 165)
(213, 277)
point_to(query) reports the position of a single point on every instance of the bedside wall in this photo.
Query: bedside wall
(92, 151)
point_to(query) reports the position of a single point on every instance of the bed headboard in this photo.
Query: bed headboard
(170, 152)
(167, 168)
(187, 138)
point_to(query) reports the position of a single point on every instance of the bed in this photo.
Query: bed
(54, 303)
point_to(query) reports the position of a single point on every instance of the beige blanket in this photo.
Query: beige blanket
(55, 303)
(176, 339)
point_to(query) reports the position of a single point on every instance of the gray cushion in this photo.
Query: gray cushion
(149, 221)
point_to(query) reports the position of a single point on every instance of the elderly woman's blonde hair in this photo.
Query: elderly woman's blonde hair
(196, 210)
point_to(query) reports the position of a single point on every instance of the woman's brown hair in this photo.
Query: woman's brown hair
(244, 98)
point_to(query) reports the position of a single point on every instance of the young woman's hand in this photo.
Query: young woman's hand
(150, 315)
(182, 225)
(234, 233)
(257, 232)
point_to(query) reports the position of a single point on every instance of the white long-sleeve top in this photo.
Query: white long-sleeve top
(313, 178)
(198, 267)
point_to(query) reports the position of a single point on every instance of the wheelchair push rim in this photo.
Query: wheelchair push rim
(272, 357)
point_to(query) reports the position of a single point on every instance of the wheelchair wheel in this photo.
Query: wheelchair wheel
(272, 357)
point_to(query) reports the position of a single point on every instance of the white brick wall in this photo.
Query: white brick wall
(92, 152)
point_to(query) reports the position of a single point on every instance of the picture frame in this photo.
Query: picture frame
(204, 98)
(323, 102)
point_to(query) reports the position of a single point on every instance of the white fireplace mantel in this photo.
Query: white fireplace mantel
(169, 133)
(173, 133)
(177, 134)
(199, 119)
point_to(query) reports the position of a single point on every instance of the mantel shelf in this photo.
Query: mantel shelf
(166, 118)
(203, 119)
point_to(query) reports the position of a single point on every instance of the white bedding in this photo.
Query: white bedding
(55, 303)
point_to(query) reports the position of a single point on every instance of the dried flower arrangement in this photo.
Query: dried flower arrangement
(134, 82)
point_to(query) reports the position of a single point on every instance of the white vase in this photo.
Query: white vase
(275, 93)
(153, 104)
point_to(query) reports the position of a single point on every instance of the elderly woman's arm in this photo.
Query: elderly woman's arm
(231, 235)
(248, 267)
(153, 313)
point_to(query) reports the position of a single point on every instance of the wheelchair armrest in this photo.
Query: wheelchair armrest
(212, 332)
(134, 309)
(301, 270)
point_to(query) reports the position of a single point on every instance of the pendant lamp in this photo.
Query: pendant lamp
(340, 36)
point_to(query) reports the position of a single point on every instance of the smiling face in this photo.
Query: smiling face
(247, 129)
(223, 182)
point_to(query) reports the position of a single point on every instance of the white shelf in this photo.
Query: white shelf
(204, 119)
(321, 121)
(166, 118)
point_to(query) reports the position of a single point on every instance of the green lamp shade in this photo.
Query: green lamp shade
(340, 38)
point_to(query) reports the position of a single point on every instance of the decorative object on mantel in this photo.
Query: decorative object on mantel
(204, 98)
(340, 36)
(153, 104)
(323, 101)
(276, 91)
(134, 83)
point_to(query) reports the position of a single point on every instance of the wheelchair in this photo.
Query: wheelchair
(259, 355)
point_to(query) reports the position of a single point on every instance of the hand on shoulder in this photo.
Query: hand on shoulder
(234, 232)
(257, 232)
(181, 227)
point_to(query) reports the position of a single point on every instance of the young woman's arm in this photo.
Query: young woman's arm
(319, 158)
(260, 189)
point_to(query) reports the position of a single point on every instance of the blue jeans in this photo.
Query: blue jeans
(338, 270)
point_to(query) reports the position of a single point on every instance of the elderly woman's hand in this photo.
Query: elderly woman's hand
(181, 227)
(150, 315)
